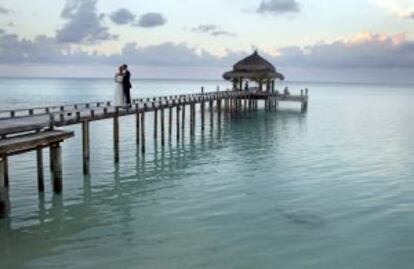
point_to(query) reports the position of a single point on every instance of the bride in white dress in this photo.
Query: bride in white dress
(119, 89)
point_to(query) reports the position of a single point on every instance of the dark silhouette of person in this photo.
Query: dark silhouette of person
(126, 84)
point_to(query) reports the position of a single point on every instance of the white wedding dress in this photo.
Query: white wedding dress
(119, 91)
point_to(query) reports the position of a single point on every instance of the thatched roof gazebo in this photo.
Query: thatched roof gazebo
(253, 68)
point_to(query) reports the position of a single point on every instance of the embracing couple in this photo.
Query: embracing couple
(123, 87)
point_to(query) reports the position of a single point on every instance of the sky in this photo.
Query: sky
(318, 40)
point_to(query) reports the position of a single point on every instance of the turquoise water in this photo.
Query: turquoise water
(332, 188)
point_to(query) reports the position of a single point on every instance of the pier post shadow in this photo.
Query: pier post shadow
(87, 192)
(42, 207)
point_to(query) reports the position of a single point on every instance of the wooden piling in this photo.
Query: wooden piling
(183, 118)
(304, 106)
(219, 110)
(85, 147)
(5, 170)
(116, 136)
(62, 117)
(155, 122)
(191, 118)
(143, 132)
(211, 104)
(202, 107)
(178, 122)
(137, 115)
(194, 115)
(40, 173)
(249, 102)
(57, 179)
(2, 181)
(4, 195)
(170, 116)
(162, 127)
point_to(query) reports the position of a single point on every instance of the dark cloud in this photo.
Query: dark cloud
(122, 16)
(151, 19)
(211, 29)
(83, 23)
(278, 7)
(4, 11)
(1, 31)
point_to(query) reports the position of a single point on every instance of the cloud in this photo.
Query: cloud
(83, 23)
(211, 29)
(165, 54)
(204, 28)
(151, 19)
(122, 16)
(278, 7)
(41, 50)
(2, 31)
(399, 8)
(47, 50)
(148, 20)
(222, 33)
(365, 50)
(4, 11)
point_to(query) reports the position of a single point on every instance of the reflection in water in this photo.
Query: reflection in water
(119, 203)
(208, 201)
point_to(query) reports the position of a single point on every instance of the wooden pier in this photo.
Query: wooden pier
(34, 129)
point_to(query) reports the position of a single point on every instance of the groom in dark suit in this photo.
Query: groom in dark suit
(126, 84)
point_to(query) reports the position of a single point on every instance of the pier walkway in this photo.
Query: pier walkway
(33, 129)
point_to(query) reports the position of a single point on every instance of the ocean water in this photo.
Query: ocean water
(332, 188)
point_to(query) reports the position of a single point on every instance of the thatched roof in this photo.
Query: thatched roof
(253, 67)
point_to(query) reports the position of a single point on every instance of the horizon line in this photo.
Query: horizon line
(215, 80)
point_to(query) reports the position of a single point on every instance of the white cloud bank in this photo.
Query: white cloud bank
(366, 51)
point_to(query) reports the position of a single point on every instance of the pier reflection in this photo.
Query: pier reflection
(121, 202)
